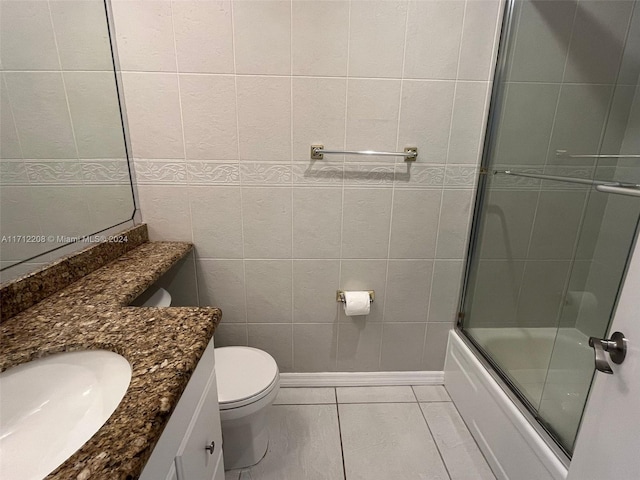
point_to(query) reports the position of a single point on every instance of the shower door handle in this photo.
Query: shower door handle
(616, 346)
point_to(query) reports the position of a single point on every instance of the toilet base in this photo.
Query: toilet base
(245, 440)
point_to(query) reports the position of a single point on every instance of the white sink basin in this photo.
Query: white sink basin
(51, 406)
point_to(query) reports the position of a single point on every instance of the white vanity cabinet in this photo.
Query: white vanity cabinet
(190, 448)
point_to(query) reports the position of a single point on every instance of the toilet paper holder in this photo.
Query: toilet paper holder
(340, 295)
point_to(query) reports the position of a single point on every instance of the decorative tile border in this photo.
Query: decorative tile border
(105, 171)
(208, 173)
(460, 175)
(13, 172)
(265, 174)
(369, 175)
(54, 172)
(317, 173)
(151, 172)
(419, 176)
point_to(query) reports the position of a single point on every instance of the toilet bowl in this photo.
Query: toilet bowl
(248, 382)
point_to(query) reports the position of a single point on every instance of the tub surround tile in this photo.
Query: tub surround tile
(83, 305)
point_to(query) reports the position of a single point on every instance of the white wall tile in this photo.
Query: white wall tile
(209, 116)
(212, 173)
(41, 114)
(372, 116)
(82, 35)
(560, 224)
(506, 228)
(587, 103)
(445, 290)
(597, 41)
(495, 297)
(168, 206)
(359, 343)
(376, 40)
(318, 114)
(365, 275)
(479, 39)
(415, 215)
(366, 223)
(467, 125)
(524, 139)
(95, 114)
(9, 142)
(204, 40)
(26, 36)
(230, 334)
(276, 340)
(144, 35)
(314, 291)
(63, 211)
(320, 32)
(217, 221)
(221, 284)
(402, 346)
(542, 293)
(434, 32)
(314, 347)
(425, 118)
(317, 222)
(264, 116)
(265, 49)
(266, 219)
(405, 278)
(542, 57)
(181, 282)
(453, 229)
(435, 346)
(269, 292)
(153, 112)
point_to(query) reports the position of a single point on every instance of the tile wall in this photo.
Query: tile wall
(224, 99)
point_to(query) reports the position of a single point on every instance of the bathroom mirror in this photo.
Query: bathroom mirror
(64, 170)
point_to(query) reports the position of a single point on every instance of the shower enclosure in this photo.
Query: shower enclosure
(558, 201)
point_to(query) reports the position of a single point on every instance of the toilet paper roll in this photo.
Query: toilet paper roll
(356, 303)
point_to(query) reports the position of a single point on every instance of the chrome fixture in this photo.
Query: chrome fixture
(318, 151)
(564, 154)
(340, 296)
(604, 186)
(616, 346)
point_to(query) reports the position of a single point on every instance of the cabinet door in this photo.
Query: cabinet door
(194, 461)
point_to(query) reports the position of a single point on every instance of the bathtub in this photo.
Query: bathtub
(515, 446)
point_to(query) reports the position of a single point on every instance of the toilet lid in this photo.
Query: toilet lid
(243, 373)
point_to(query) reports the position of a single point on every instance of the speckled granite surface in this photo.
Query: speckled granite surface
(163, 346)
(22, 293)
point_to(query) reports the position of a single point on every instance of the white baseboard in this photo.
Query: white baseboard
(360, 379)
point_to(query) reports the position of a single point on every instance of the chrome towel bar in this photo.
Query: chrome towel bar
(618, 188)
(318, 151)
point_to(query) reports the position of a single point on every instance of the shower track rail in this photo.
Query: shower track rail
(618, 188)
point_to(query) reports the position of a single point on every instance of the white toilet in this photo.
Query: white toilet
(248, 382)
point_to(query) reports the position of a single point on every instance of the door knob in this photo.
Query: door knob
(616, 346)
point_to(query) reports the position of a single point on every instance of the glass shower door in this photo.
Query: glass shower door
(549, 249)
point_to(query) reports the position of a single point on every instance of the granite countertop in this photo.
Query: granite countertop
(163, 346)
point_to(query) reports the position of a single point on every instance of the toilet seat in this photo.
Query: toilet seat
(245, 375)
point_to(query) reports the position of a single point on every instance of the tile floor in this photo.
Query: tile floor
(372, 433)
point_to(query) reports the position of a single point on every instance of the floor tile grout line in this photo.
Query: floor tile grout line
(432, 436)
(344, 467)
